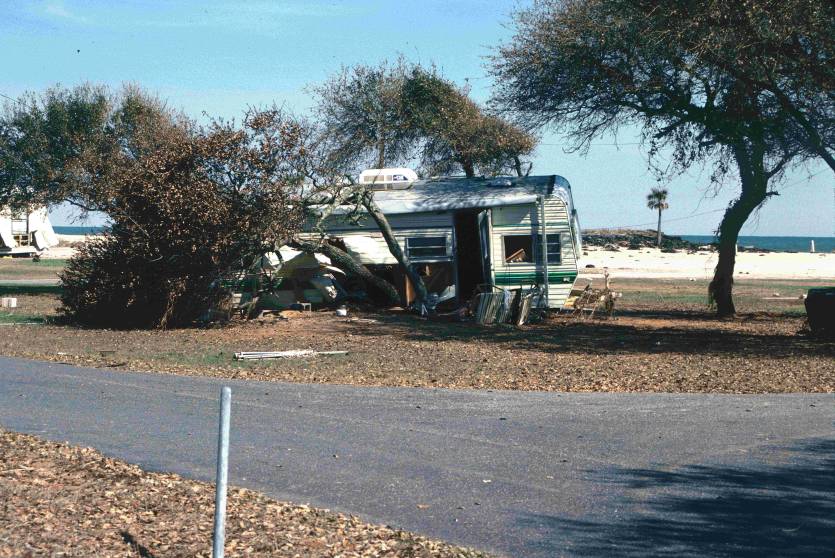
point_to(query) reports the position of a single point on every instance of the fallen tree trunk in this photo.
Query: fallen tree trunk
(379, 289)
(394, 247)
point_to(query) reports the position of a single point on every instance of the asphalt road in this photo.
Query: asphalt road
(517, 473)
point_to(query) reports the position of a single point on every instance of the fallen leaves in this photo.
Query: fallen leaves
(59, 500)
(652, 346)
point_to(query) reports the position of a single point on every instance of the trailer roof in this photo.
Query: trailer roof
(447, 193)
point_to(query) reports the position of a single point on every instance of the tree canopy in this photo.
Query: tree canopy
(589, 67)
(64, 144)
(396, 113)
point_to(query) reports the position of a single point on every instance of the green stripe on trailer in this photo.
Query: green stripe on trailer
(556, 277)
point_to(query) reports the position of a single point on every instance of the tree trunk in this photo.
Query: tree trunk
(659, 227)
(517, 164)
(381, 152)
(394, 246)
(469, 168)
(754, 192)
(382, 290)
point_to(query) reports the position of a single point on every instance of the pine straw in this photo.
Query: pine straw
(59, 500)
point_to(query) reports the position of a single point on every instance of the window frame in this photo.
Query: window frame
(427, 257)
(549, 243)
(533, 251)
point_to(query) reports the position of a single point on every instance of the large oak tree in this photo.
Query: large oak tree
(745, 87)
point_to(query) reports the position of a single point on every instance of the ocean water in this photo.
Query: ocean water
(775, 243)
(77, 230)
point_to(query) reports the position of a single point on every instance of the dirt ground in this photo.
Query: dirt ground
(662, 338)
(58, 500)
(25, 268)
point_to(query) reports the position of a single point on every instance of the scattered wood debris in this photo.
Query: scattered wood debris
(588, 301)
(293, 353)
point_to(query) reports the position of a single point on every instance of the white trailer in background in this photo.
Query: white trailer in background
(25, 232)
(511, 232)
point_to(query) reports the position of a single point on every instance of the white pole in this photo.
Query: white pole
(812, 246)
(222, 473)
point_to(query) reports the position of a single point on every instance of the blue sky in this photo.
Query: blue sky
(219, 57)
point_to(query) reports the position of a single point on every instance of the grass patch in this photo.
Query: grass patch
(6, 318)
(25, 268)
(6, 290)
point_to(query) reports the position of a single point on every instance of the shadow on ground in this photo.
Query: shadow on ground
(783, 508)
(635, 332)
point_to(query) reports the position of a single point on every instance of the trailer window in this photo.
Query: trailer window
(554, 247)
(426, 247)
(518, 248)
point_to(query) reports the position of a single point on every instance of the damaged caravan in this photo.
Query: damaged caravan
(464, 233)
(25, 233)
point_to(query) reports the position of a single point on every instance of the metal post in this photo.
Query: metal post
(222, 473)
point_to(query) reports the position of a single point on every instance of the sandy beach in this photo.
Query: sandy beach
(67, 246)
(652, 263)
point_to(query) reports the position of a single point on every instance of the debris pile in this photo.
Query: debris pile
(501, 306)
(588, 301)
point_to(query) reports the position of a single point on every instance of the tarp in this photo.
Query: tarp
(49, 235)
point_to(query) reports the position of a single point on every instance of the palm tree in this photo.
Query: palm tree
(657, 199)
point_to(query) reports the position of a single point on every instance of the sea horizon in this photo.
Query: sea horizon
(785, 243)
(773, 243)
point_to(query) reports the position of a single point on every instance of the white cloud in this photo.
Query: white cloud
(59, 10)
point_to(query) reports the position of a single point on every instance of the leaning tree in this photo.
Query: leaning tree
(590, 67)
(188, 205)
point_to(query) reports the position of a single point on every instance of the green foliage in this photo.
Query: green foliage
(64, 144)
(745, 87)
(456, 132)
(590, 66)
(657, 199)
(361, 112)
(186, 217)
(389, 114)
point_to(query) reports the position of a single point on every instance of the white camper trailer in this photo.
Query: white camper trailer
(25, 232)
(510, 232)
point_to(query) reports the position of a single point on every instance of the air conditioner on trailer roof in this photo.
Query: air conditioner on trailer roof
(388, 179)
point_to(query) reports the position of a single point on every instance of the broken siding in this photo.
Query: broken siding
(525, 220)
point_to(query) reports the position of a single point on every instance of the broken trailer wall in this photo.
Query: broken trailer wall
(423, 219)
(516, 249)
(26, 232)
